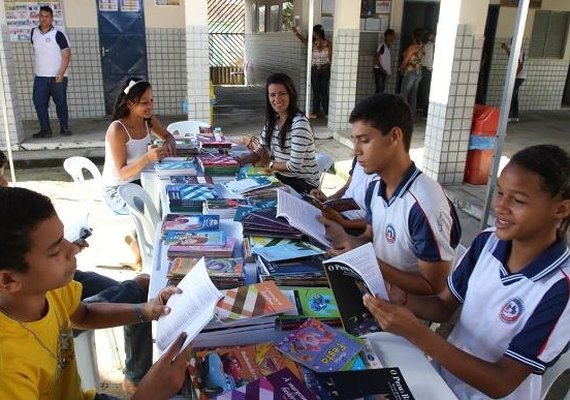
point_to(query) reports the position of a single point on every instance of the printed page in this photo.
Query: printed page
(301, 215)
(363, 260)
(191, 310)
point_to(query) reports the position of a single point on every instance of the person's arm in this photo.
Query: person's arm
(494, 379)
(407, 57)
(430, 280)
(117, 138)
(301, 38)
(65, 58)
(106, 315)
(301, 138)
(380, 50)
(160, 131)
(341, 240)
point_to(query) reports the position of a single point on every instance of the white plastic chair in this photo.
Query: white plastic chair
(554, 372)
(86, 354)
(324, 163)
(76, 165)
(187, 128)
(145, 216)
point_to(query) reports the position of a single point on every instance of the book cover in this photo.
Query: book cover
(240, 186)
(309, 265)
(287, 251)
(179, 193)
(281, 385)
(190, 223)
(248, 171)
(191, 180)
(312, 302)
(367, 384)
(168, 167)
(197, 250)
(201, 238)
(340, 205)
(217, 160)
(260, 299)
(320, 347)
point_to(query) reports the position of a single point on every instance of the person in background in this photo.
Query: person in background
(287, 137)
(40, 304)
(51, 59)
(427, 67)
(411, 70)
(320, 70)
(511, 289)
(382, 61)
(412, 224)
(519, 80)
(128, 148)
(3, 163)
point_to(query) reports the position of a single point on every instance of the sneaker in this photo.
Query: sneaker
(65, 132)
(42, 134)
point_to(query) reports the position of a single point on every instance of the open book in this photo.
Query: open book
(191, 310)
(351, 275)
(301, 215)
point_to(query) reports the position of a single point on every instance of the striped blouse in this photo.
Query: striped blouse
(298, 152)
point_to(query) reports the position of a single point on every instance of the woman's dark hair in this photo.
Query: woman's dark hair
(385, 111)
(22, 210)
(133, 95)
(320, 30)
(552, 164)
(271, 115)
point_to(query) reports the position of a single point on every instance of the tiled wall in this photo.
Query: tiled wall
(8, 92)
(449, 125)
(544, 85)
(343, 79)
(268, 53)
(198, 74)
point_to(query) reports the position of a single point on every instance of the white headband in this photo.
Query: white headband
(130, 85)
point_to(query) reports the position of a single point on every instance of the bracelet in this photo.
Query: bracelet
(138, 313)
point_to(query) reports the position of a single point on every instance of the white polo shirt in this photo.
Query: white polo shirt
(383, 51)
(525, 315)
(47, 51)
(417, 223)
(359, 182)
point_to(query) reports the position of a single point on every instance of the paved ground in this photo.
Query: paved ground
(38, 166)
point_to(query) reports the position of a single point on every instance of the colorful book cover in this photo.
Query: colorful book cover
(249, 171)
(248, 184)
(312, 302)
(191, 180)
(190, 223)
(217, 267)
(281, 385)
(197, 250)
(178, 193)
(217, 160)
(260, 299)
(320, 347)
(176, 167)
(199, 238)
(287, 250)
(309, 265)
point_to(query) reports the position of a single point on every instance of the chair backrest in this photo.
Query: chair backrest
(324, 163)
(187, 128)
(554, 372)
(145, 216)
(76, 165)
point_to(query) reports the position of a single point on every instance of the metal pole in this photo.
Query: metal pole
(309, 57)
(516, 44)
(5, 112)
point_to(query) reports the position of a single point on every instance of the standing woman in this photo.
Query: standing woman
(287, 137)
(127, 141)
(411, 70)
(320, 70)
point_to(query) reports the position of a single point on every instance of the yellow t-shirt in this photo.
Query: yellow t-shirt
(27, 369)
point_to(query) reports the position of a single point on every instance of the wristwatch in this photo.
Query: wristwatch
(271, 164)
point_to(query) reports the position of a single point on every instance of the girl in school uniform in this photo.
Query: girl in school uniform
(512, 284)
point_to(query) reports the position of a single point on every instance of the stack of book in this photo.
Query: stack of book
(245, 185)
(214, 140)
(189, 198)
(225, 273)
(175, 166)
(306, 271)
(265, 223)
(191, 180)
(217, 164)
(225, 208)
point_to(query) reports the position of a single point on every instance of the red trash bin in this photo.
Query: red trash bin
(481, 144)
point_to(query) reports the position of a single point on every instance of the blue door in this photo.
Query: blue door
(122, 43)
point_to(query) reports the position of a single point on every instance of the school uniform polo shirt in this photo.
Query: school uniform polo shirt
(417, 223)
(47, 51)
(524, 315)
(359, 182)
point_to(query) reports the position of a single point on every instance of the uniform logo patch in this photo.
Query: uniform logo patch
(390, 234)
(512, 311)
(48, 40)
(440, 221)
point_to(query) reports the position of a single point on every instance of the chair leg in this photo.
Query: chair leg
(112, 339)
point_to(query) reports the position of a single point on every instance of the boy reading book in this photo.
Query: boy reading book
(39, 306)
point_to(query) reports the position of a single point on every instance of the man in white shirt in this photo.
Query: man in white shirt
(427, 67)
(519, 80)
(382, 61)
(51, 59)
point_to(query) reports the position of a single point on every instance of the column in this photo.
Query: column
(197, 60)
(8, 101)
(344, 69)
(457, 58)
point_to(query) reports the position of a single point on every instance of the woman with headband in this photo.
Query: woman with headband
(127, 141)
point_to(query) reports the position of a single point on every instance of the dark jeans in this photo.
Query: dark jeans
(379, 80)
(44, 88)
(423, 91)
(320, 78)
(514, 111)
(138, 337)
(299, 184)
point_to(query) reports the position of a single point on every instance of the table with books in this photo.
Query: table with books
(269, 316)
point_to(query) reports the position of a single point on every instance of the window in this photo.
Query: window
(254, 17)
(549, 34)
(274, 18)
(261, 19)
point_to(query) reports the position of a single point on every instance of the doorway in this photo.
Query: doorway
(122, 42)
(566, 95)
(487, 53)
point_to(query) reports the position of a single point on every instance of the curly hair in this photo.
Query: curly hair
(22, 210)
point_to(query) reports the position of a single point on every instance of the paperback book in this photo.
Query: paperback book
(286, 249)
(217, 267)
(320, 347)
(198, 249)
(190, 223)
(339, 205)
(175, 166)
(199, 238)
(191, 180)
(351, 275)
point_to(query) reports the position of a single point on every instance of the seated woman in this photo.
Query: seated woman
(287, 136)
(128, 147)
